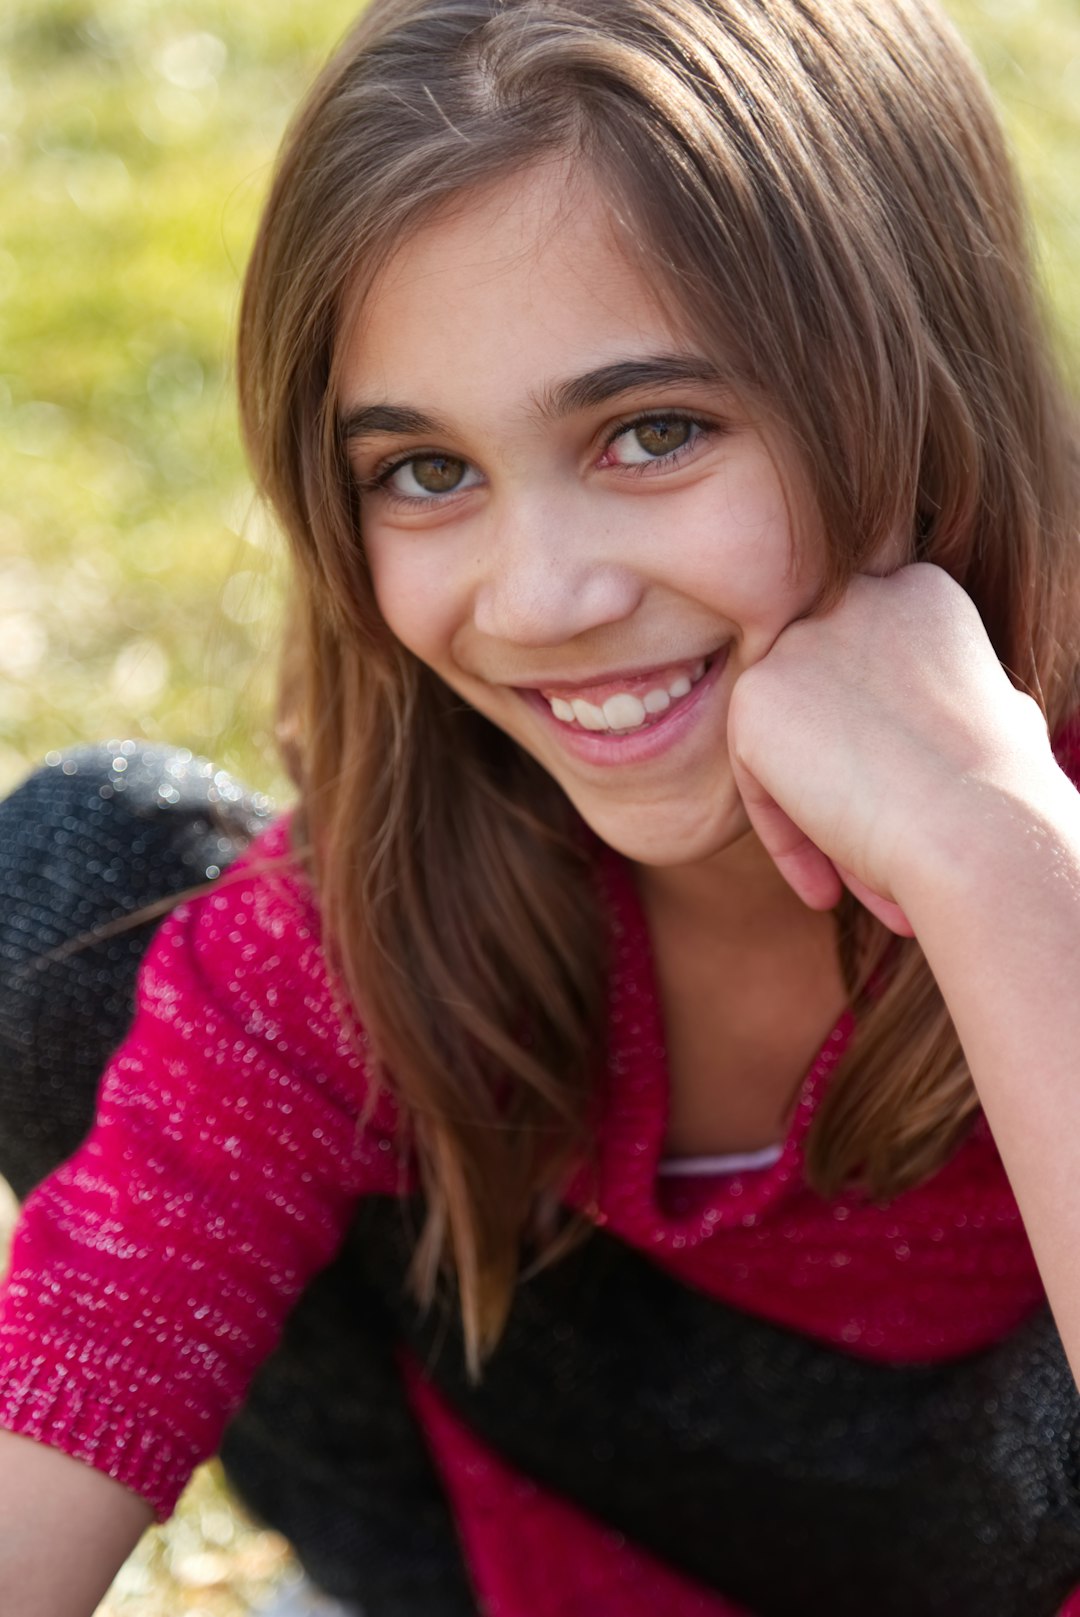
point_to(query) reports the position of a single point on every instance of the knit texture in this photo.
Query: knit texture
(152, 1272)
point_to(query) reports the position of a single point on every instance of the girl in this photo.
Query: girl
(655, 1020)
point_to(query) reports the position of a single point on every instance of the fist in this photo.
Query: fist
(865, 736)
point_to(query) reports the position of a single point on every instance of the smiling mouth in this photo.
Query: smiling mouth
(629, 705)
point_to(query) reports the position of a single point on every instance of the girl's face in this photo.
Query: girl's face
(566, 515)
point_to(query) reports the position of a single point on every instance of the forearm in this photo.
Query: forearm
(65, 1530)
(998, 917)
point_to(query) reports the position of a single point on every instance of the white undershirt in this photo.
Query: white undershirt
(733, 1162)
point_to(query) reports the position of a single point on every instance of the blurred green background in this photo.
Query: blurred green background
(139, 589)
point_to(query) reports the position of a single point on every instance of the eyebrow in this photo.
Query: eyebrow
(562, 399)
(624, 376)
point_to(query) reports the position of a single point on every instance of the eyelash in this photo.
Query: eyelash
(378, 482)
(646, 418)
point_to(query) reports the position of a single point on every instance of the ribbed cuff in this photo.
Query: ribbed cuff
(45, 1402)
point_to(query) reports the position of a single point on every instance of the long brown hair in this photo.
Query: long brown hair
(825, 192)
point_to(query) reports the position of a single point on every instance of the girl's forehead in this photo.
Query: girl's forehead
(527, 276)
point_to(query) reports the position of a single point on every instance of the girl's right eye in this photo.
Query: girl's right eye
(423, 478)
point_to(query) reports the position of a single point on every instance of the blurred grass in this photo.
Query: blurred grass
(138, 593)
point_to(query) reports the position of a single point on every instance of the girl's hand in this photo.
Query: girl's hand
(866, 742)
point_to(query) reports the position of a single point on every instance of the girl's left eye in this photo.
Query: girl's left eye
(653, 438)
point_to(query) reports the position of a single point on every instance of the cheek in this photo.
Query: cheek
(413, 593)
(740, 552)
(734, 527)
(738, 564)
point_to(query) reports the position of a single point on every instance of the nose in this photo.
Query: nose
(548, 575)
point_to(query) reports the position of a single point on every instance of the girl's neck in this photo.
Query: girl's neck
(738, 894)
(750, 984)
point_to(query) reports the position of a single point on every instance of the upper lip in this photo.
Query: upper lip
(585, 682)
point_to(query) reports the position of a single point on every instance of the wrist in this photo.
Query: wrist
(991, 844)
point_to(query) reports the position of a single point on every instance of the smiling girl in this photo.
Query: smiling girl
(644, 1061)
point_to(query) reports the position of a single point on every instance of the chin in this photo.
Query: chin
(658, 838)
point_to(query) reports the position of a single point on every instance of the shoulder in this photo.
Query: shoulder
(243, 967)
(255, 930)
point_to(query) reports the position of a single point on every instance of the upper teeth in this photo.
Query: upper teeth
(624, 711)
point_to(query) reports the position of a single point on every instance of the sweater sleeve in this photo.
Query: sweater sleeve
(152, 1272)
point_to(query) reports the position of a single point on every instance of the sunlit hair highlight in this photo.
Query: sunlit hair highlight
(822, 192)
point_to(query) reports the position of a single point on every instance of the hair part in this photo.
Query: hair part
(823, 192)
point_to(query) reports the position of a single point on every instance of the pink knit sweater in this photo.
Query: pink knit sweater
(151, 1273)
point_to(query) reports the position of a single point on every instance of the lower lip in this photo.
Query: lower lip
(613, 751)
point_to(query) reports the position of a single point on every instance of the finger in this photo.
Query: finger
(886, 911)
(801, 862)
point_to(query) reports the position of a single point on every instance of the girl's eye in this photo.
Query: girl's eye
(653, 438)
(425, 477)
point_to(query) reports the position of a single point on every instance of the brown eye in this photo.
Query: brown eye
(436, 474)
(656, 440)
(661, 436)
(424, 478)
